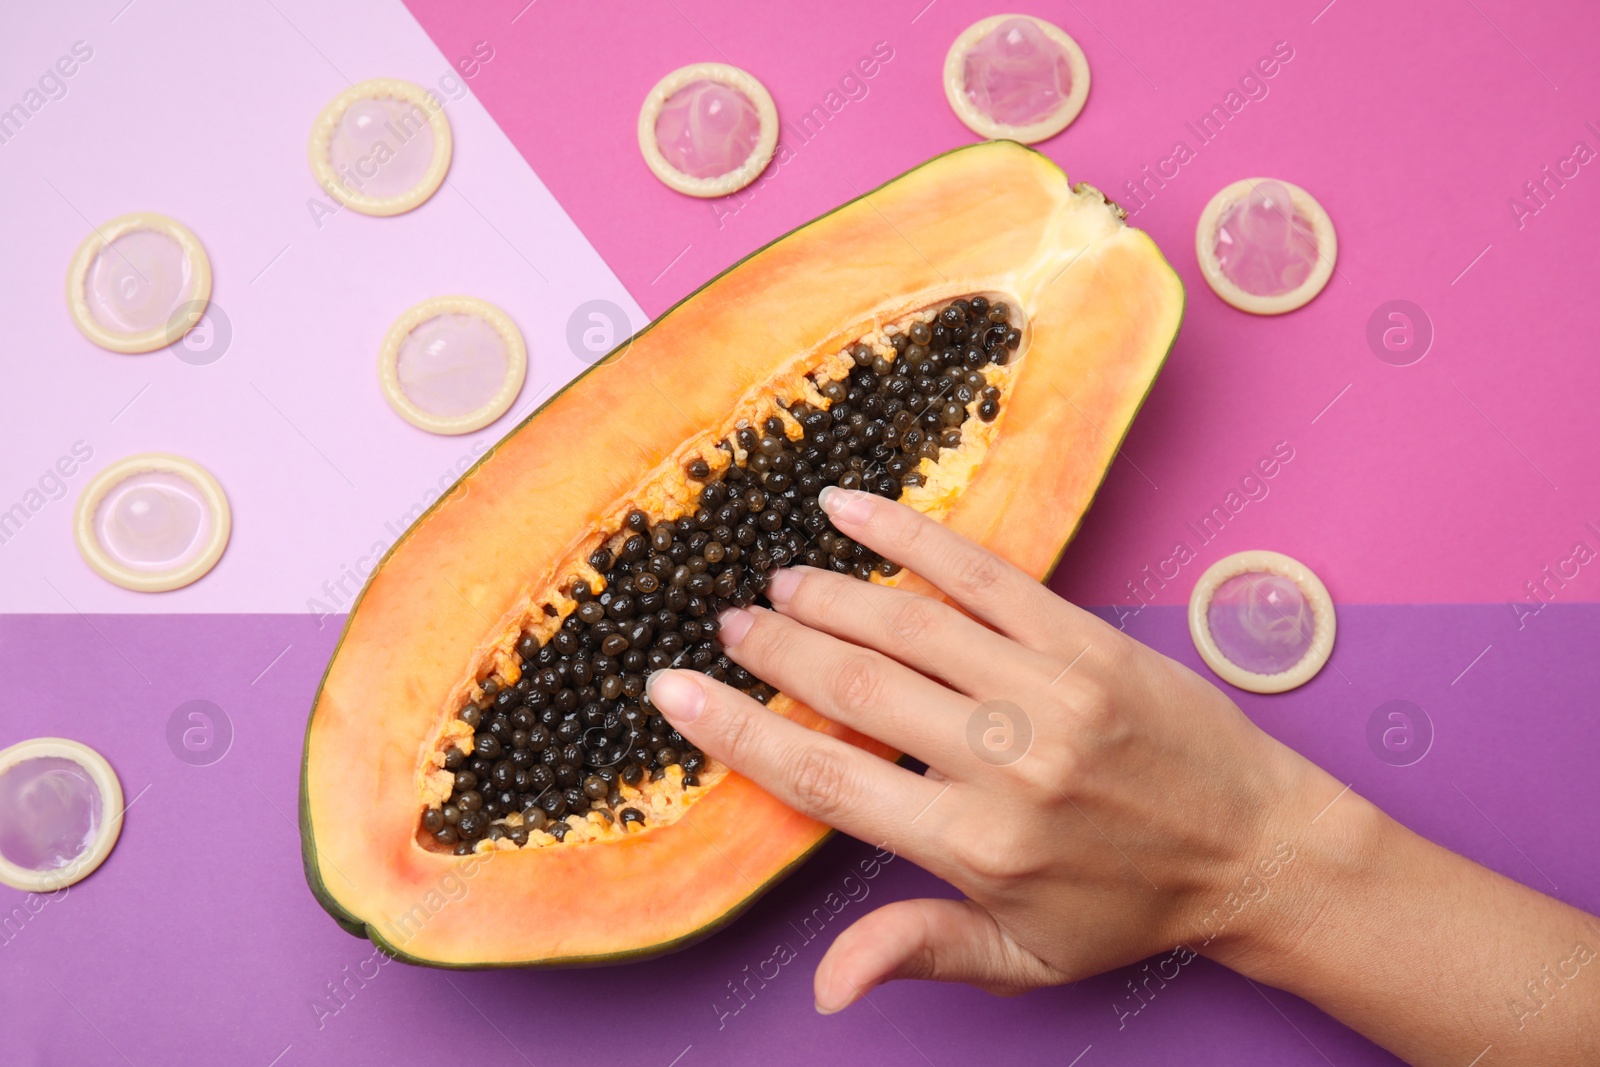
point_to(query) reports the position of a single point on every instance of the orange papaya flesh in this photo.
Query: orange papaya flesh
(488, 573)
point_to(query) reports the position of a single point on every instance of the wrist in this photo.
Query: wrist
(1430, 955)
(1316, 846)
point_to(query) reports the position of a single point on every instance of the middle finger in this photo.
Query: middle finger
(860, 688)
(920, 631)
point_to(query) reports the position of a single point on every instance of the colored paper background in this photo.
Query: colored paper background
(198, 942)
(1426, 496)
(202, 112)
(1456, 479)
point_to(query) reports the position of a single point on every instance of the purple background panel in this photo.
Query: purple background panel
(1456, 479)
(198, 941)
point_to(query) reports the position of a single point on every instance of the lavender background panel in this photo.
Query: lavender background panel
(198, 941)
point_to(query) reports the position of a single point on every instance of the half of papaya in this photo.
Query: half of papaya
(1028, 322)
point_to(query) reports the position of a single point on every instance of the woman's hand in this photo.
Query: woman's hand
(1088, 795)
(1098, 803)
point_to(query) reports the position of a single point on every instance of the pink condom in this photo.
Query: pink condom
(137, 281)
(154, 521)
(453, 364)
(707, 129)
(1017, 75)
(383, 146)
(1264, 245)
(1261, 622)
(51, 812)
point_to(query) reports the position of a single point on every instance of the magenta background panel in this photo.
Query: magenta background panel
(1456, 479)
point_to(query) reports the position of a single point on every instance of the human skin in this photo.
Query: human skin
(1146, 812)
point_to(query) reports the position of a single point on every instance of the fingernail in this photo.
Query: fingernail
(678, 698)
(823, 1009)
(851, 505)
(732, 625)
(784, 582)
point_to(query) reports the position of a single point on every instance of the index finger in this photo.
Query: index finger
(974, 578)
(816, 774)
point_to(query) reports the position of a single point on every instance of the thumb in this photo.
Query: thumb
(942, 940)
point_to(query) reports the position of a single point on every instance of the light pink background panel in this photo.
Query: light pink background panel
(202, 111)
